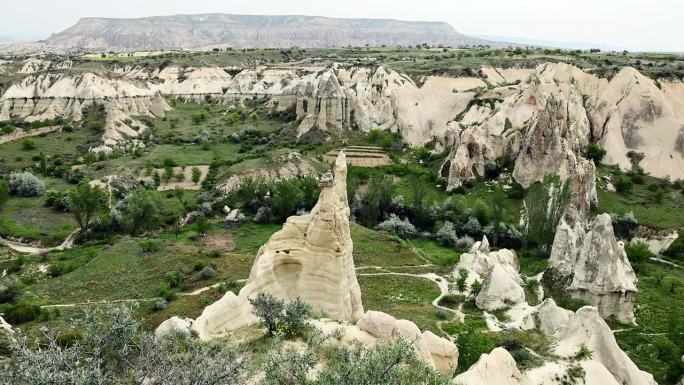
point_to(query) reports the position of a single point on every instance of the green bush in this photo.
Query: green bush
(638, 252)
(28, 144)
(623, 184)
(595, 152)
(22, 313)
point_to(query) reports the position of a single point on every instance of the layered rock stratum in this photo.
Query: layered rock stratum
(244, 31)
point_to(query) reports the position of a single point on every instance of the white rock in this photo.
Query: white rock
(599, 269)
(496, 368)
(5, 327)
(173, 325)
(499, 291)
(587, 328)
(310, 258)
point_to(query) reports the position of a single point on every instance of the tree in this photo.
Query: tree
(139, 211)
(84, 202)
(544, 206)
(202, 224)
(276, 316)
(196, 175)
(4, 192)
(43, 165)
(595, 152)
(286, 197)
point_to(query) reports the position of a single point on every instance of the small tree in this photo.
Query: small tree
(139, 211)
(461, 280)
(595, 152)
(544, 205)
(28, 144)
(202, 224)
(623, 184)
(196, 175)
(276, 316)
(85, 202)
(268, 309)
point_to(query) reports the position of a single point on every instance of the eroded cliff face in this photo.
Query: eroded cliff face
(596, 265)
(546, 122)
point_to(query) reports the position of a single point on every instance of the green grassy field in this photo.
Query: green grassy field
(403, 297)
(30, 219)
(373, 248)
(68, 145)
(659, 314)
(641, 201)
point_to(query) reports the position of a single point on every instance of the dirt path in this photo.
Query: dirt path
(441, 283)
(28, 249)
(104, 302)
(20, 134)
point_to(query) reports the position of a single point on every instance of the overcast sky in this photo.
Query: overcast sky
(654, 25)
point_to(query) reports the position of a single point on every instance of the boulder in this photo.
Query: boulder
(310, 258)
(497, 367)
(173, 325)
(597, 267)
(499, 290)
(480, 261)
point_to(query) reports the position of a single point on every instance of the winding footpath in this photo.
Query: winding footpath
(28, 249)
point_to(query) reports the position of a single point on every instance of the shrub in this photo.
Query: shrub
(149, 246)
(174, 278)
(595, 152)
(461, 280)
(638, 252)
(464, 243)
(25, 184)
(623, 184)
(57, 199)
(166, 292)
(402, 228)
(475, 287)
(208, 272)
(9, 288)
(22, 313)
(288, 319)
(28, 144)
(446, 235)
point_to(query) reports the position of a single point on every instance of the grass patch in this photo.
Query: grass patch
(435, 253)
(374, 248)
(403, 297)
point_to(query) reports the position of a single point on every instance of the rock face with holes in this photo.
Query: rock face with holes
(596, 266)
(310, 258)
(436, 352)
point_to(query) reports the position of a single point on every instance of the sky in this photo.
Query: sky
(654, 25)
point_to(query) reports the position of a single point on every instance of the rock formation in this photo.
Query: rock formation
(597, 267)
(657, 240)
(438, 353)
(497, 367)
(207, 31)
(569, 332)
(310, 258)
(547, 120)
(498, 272)
(587, 328)
(499, 290)
(5, 327)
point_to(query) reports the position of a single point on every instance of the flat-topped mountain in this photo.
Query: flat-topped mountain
(223, 30)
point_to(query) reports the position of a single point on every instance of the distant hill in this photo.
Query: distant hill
(241, 31)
